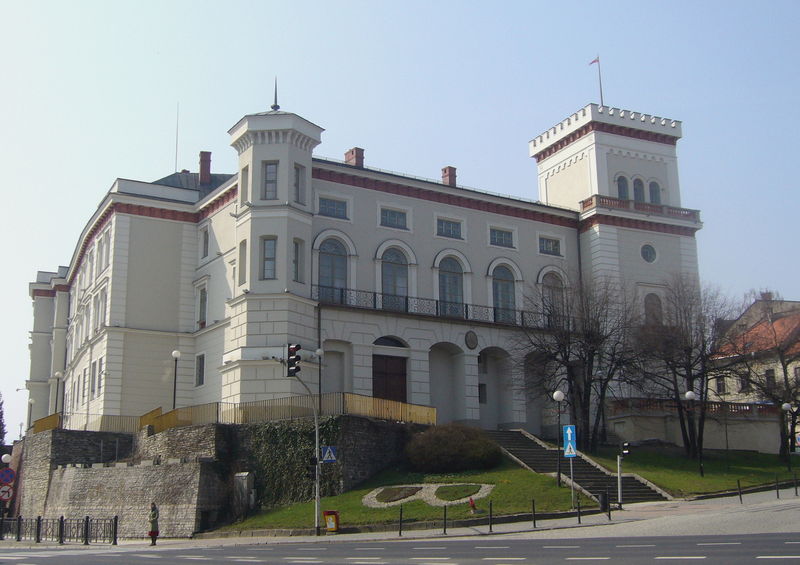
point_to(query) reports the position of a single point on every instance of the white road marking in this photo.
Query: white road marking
(637, 545)
(504, 558)
(492, 547)
(681, 557)
(722, 543)
(587, 558)
(424, 548)
(364, 558)
(561, 547)
(194, 557)
(778, 557)
(430, 558)
(312, 549)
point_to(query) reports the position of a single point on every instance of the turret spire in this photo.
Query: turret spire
(275, 106)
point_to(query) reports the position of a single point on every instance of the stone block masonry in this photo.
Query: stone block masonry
(188, 472)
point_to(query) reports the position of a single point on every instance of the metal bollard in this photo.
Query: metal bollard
(777, 487)
(86, 531)
(19, 528)
(445, 520)
(533, 511)
(115, 528)
(579, 510)
(38, 537)
(739, 488)
(61, 530)
(490, 516)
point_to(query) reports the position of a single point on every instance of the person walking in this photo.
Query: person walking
(152, 517)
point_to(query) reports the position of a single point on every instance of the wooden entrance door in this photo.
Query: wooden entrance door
(389, 377)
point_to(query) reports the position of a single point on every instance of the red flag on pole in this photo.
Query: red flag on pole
(595, 60)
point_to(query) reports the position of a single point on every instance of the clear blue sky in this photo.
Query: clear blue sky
(89, 93)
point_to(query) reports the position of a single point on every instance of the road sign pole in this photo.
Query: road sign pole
(572, 481)
(619, 481)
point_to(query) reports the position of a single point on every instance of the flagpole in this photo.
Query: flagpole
(599, 77)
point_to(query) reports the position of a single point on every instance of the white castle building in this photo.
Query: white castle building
(412, 289)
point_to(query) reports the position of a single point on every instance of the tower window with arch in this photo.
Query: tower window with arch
(332, 271)
(503, 295)
(394, 280)
(655, 193)
(451, 288)
(622, 188)
(653, 311)
(638, 190)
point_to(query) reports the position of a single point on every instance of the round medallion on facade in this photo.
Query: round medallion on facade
(648, 253)
(471, 339)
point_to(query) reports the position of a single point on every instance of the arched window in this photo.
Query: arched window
(503, 295)
(653, 314)
(655, 193)
(622, 188)
(451, 288)
(552, 300)
(638, 190)
(332, 271)
(394, 279)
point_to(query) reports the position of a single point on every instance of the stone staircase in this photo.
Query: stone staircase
(591, 479)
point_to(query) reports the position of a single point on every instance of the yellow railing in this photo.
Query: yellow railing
(287, 408)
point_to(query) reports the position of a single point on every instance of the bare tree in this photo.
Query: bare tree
(677, 353)
(761, 351)
(581, 343)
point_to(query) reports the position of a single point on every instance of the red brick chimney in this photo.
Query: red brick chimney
(205, 167)
(449, 176)
(355, 157)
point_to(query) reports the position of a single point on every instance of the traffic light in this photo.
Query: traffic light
(293, 359)
(311, 468)
(625, 449)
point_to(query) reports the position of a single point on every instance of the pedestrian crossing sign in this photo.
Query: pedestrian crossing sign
(328, 453)
(569, 441)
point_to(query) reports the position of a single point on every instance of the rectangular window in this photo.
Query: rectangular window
(721, 386)
(202, 306)
(769, 379)
(297, 260)
(200, 370)
(204, 243)
(502, 238)
(300, 184)
(244, 182)
(99, 375)
(393, 218)
(448, 228)
(269, 247)
(242, 266)
(550, 246)
(270, 191)
(744, 384)
(94, 379)
(797, 376)
(83, 385)
(333, 208)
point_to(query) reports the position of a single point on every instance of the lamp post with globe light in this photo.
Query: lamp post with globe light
(558, 396)
(175, 355)
(787, 410)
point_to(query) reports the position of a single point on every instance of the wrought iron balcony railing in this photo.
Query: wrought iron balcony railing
(368, 300)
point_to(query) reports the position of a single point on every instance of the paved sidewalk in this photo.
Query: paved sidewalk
(760, 512)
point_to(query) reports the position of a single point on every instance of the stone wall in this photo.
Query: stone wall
(188, 472)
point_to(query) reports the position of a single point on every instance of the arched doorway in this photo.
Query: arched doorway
(389, 371)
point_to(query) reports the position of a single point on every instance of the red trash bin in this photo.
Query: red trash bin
(331, 520)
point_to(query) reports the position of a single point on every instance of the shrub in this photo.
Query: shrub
(452, 448)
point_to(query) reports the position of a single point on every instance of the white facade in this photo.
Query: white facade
(413, 289)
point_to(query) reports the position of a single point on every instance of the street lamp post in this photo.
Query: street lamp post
(558, 396)
(787, 410)
(59, 376)
(31, 402)
(691, 396)
(316, 456)
(175, 355)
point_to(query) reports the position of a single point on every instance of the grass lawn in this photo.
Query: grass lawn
(669, 468)
(513, 491)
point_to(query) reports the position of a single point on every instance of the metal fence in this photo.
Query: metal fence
(287, 408)
(84, 530)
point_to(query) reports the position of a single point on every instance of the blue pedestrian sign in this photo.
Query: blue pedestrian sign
(328, 453)
(569, 442)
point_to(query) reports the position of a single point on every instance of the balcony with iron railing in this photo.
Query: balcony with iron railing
(395, 304)
(611, 203)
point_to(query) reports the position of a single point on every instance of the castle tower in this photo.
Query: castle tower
(619, 169)
(271, 265)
